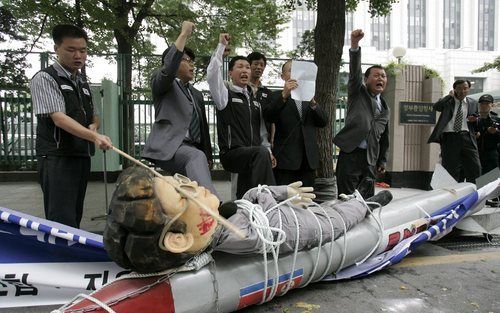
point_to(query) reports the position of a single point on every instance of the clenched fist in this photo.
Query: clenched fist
(356, 36)
(187, 28)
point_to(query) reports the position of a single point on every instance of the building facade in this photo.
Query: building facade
(453, 37)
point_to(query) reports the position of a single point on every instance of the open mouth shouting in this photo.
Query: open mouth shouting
(380, 85)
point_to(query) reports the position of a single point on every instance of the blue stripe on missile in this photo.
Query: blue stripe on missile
(260, 285)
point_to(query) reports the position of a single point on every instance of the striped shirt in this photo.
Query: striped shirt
(46, 95)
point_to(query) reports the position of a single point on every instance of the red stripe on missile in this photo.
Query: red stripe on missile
(124, 296)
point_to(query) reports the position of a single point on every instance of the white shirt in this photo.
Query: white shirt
(219, 90)
(449, 126)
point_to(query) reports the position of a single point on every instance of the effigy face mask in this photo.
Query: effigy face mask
(197, 225)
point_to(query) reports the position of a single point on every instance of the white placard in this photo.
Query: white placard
(305, 75)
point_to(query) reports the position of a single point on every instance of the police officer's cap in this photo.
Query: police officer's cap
(486, 98)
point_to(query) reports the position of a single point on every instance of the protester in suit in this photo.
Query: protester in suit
(179, 141)
(242, 136)
(295, 146)
(364, 140)
(455, 133)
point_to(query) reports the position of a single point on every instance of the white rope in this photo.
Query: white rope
(320, 244)
(275, 252)
(278, 206)
(378, 221)
(260, 222)
(295, 253)
(88, 297)
(332, 231)
(423, 211)
(344, 251)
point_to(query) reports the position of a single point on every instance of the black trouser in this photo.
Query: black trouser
(304, 174)
(351, 169)
(64, 183)
(253, 164)
(458, 153)
(489, 160)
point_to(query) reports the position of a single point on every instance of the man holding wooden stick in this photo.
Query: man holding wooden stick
(67, 127)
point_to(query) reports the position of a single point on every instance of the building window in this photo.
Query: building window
(416, 23)
(477, 84)
(381, 32)
(451, 24)
(348, 28)
(302, 20)
(486, 25)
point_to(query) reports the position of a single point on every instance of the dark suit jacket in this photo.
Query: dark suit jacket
(295, 138)
(362, 121)
(446, 106)
(173, 112)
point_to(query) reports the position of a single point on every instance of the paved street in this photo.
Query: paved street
(459, 274)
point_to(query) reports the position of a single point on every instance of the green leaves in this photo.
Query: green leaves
(489, 66)
(252, 24)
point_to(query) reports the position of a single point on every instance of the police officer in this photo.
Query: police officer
(487, 134)
(67, 126)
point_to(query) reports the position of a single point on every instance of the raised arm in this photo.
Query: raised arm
(218, 89)
(355, 74)
(163, 78)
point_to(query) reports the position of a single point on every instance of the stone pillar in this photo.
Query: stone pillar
(394, 92)
(411, 160)
(430, 152)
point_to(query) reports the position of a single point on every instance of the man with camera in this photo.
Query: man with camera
(487, 134)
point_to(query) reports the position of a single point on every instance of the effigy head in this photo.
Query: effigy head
(191, 228)
(151, 227)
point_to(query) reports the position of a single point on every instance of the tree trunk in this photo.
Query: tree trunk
(329, 41)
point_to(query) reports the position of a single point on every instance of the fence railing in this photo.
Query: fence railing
(18, 129)
(18, 125)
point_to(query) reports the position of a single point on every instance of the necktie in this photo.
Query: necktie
(194, 125)
(457, 126)
(379, 104)
(299, 107)
(245, 92)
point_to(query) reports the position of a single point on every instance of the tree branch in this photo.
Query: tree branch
(143, 13)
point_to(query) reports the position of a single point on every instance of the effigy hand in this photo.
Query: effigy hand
(305, 194)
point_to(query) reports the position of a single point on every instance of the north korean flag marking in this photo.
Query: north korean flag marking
(252, 294)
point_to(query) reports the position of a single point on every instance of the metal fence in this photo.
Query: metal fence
(144, 113)
(18, 133)
(18, 129)
(18, 125)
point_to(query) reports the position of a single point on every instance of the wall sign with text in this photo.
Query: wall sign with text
(416, 113)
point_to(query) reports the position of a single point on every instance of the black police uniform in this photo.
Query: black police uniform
(64, 159)
(487, 142)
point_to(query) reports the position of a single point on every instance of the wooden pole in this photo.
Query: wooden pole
(186, 194)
